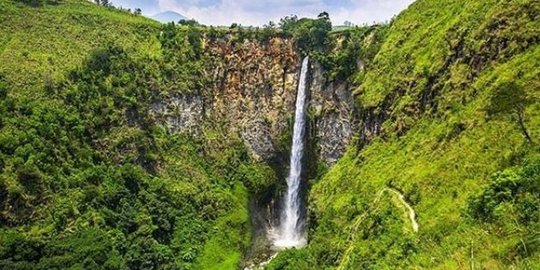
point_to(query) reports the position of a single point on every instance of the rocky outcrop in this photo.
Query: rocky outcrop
(254, 89)
(179, 113)
(331, 105)
(258, 139)
(252, 92)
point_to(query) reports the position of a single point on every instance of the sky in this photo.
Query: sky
(260, 12)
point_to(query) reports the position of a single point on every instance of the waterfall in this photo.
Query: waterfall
(291, 231)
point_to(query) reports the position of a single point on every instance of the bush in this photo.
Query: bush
(292, 259)
(310, 34)
(518, 186)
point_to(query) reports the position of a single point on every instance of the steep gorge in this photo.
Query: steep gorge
(170, 148)
(252, 92)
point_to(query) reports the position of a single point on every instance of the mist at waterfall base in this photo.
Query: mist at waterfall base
(291, 232)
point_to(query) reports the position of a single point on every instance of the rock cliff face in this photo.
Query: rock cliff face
(331, 105)
(252, 92)
(179, 113)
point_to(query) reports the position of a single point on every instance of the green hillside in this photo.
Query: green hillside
(443, 171)
(87, 179)
(41, 43)
(471, 177)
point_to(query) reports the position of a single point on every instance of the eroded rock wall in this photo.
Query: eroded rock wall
(252, 92)
(254, 89)
(331, 105)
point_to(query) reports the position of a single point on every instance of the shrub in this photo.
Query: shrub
(518, 186)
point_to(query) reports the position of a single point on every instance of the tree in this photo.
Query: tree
(320, 29)
(138, 11)
(106, 3)
(310, 34)
(517, 187)
(271, 24)
(324, 16)
(288, 23)
(510, 99)
(267, 32)
(189, 22)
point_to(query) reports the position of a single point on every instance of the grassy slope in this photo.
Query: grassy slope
(436, 167)
(38, 44)
(200, 202)
(445, 156)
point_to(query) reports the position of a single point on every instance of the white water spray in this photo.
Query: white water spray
(291, 232)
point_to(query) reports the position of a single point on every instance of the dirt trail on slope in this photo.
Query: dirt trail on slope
(375, 206)
(412, 214)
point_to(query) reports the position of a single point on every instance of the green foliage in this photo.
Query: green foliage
(222, 250)
(89, 180)
(435, 73)
(516, 188)
(32, 3)
(512, 201)
(44, 43)
(3, 89)
(422, 46)
(508, 98)
(351, 52)
(297, 259)
(309, 34)
(189, 22)
(258, 178)
(38, 3)
(511, 99)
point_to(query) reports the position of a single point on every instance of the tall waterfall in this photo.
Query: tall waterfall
(291, 232)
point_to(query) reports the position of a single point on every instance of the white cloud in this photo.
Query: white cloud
(259, 12)
(369, 11)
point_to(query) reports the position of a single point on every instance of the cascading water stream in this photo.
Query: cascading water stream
(291, 232)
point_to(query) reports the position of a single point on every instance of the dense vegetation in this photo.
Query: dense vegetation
(456, 86)
(89, 180)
